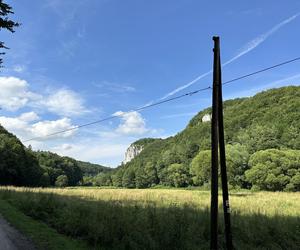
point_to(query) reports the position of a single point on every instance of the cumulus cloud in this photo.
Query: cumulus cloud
(29, 117)
(44, 128)
(26, 126)
(105, 146)
(132, 123)
(99, 148)
(65, 102)
(14, 93)
(94, 151)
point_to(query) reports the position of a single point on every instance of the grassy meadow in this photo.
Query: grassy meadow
(160, 218)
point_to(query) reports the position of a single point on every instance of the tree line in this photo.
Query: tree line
(21, 166)
(262, 134)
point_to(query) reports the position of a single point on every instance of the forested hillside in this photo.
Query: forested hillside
(262, 145)
(18, 165)
(262, 136)
(21, 166)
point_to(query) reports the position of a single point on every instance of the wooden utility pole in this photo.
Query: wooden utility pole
(217, 137)
(214, 149)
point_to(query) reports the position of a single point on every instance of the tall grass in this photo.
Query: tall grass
(160, 219)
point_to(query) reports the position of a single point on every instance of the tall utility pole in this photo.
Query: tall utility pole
(214, 150)
(217, 138)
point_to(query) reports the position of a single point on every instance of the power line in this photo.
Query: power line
(120, 115)
(262, 70)
(164, 101)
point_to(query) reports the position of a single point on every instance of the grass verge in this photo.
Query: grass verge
(41, 235)
(132, 219)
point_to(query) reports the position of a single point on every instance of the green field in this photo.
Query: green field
(160, 218)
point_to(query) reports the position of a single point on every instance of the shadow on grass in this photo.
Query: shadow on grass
(127, 224)
(241, 194)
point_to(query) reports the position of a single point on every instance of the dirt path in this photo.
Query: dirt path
(12, 239)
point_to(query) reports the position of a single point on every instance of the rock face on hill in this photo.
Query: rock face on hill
(206, 118)
(136, 148)
(132, 152)
(268, 120)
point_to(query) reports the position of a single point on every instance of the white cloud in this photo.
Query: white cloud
(244, 50)
(64, 102)
(94, 151)
(115, 87)
(14, 93)
(102, 145)
(66, 146)
(89, 145)
(132, 123)
(44, 128)
(63, 147)
(25, 126)
(29, 117)
(14, 125)
(19, 68)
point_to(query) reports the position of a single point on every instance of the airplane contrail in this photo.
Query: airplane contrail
(244, 50)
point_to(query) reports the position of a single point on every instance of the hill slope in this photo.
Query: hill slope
(18, 166)
(268, 120)
(21, 166)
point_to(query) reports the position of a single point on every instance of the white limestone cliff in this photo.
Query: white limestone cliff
(132, 152)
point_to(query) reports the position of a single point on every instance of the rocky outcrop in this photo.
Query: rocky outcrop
(206, 118)
(132, 152)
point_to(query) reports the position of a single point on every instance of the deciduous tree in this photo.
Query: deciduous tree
(6, 23)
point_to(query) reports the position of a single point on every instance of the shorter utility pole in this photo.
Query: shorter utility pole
(217, 142)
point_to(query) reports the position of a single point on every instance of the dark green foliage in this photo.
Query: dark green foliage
(237, 158)
(6, 23)
(200, 167)
(147, 176)
(62, 181)
(21, 166)
(275, 169)
(269, 120)
(128, 178)
(178, 175)
(18, 166)
(45, 180)
(236, 162)
(90, 169)
(145, 141)
(117, 178)
(103, 179)
(56, 166)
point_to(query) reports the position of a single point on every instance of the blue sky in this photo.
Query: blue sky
(76, 61)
